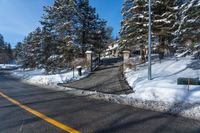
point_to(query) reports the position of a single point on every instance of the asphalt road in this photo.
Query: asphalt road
(81, 113)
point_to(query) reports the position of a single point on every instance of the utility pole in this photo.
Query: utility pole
(149, 43)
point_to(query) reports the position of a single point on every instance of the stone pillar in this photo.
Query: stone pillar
(113, 52)
(126, 55)
(117, 53)
(89, 60)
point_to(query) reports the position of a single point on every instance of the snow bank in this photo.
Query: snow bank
(164, 86)
(39, 77)
(183, 109)
(162, 93)
(8, 66)
(182, 54)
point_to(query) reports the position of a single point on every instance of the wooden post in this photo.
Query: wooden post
(188, 84)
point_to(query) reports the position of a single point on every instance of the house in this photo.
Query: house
(113, 49)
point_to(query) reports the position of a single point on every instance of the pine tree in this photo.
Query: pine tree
(48, 45)
(2, 49)
(1, 44)
(27, 62)
(125, 25)
(68, 26)
(9, 52)
(5, 51)
(29, 52)
(165, 20)
(189, 28)
(1, 41)
(36, 48)
(87, 20)
(19, 53)
(134, 31)
(104, 36)
(134, 26)
(59, 33)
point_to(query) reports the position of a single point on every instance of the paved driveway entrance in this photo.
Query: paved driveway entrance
(107, 78)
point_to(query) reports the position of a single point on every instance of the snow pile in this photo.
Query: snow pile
(8, 66)
(39, 77)
(164, 86)
(182, 54)
(162, 93)
(108, 57)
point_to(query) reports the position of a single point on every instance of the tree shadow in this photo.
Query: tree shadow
(195, 65)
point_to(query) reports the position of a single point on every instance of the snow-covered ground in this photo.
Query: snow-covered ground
(162, 92)
(163, 86)
(39, 77)
(8, 66)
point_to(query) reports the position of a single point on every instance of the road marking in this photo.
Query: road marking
(40, 115)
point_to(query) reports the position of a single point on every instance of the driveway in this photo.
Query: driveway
(107, 78)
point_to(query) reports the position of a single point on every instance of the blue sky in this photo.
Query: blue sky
(19, 17)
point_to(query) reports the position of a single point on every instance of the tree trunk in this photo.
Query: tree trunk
(142, 53)
(162, 48)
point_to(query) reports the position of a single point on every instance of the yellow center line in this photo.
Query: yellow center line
(40, 115)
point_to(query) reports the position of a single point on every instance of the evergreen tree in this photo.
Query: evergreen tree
(1, 44)
(125, 25)
(87, 29)
(93, 32)
(165, 20)
(189, 28)
(2, 49)
(134, 24)
(59, 33)
(5, 51)
(104, 36)
(19, 53)
(69, 27)
(1, 41)
(30, 50)
(27, 51)
(35, 48)
(9, 52)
